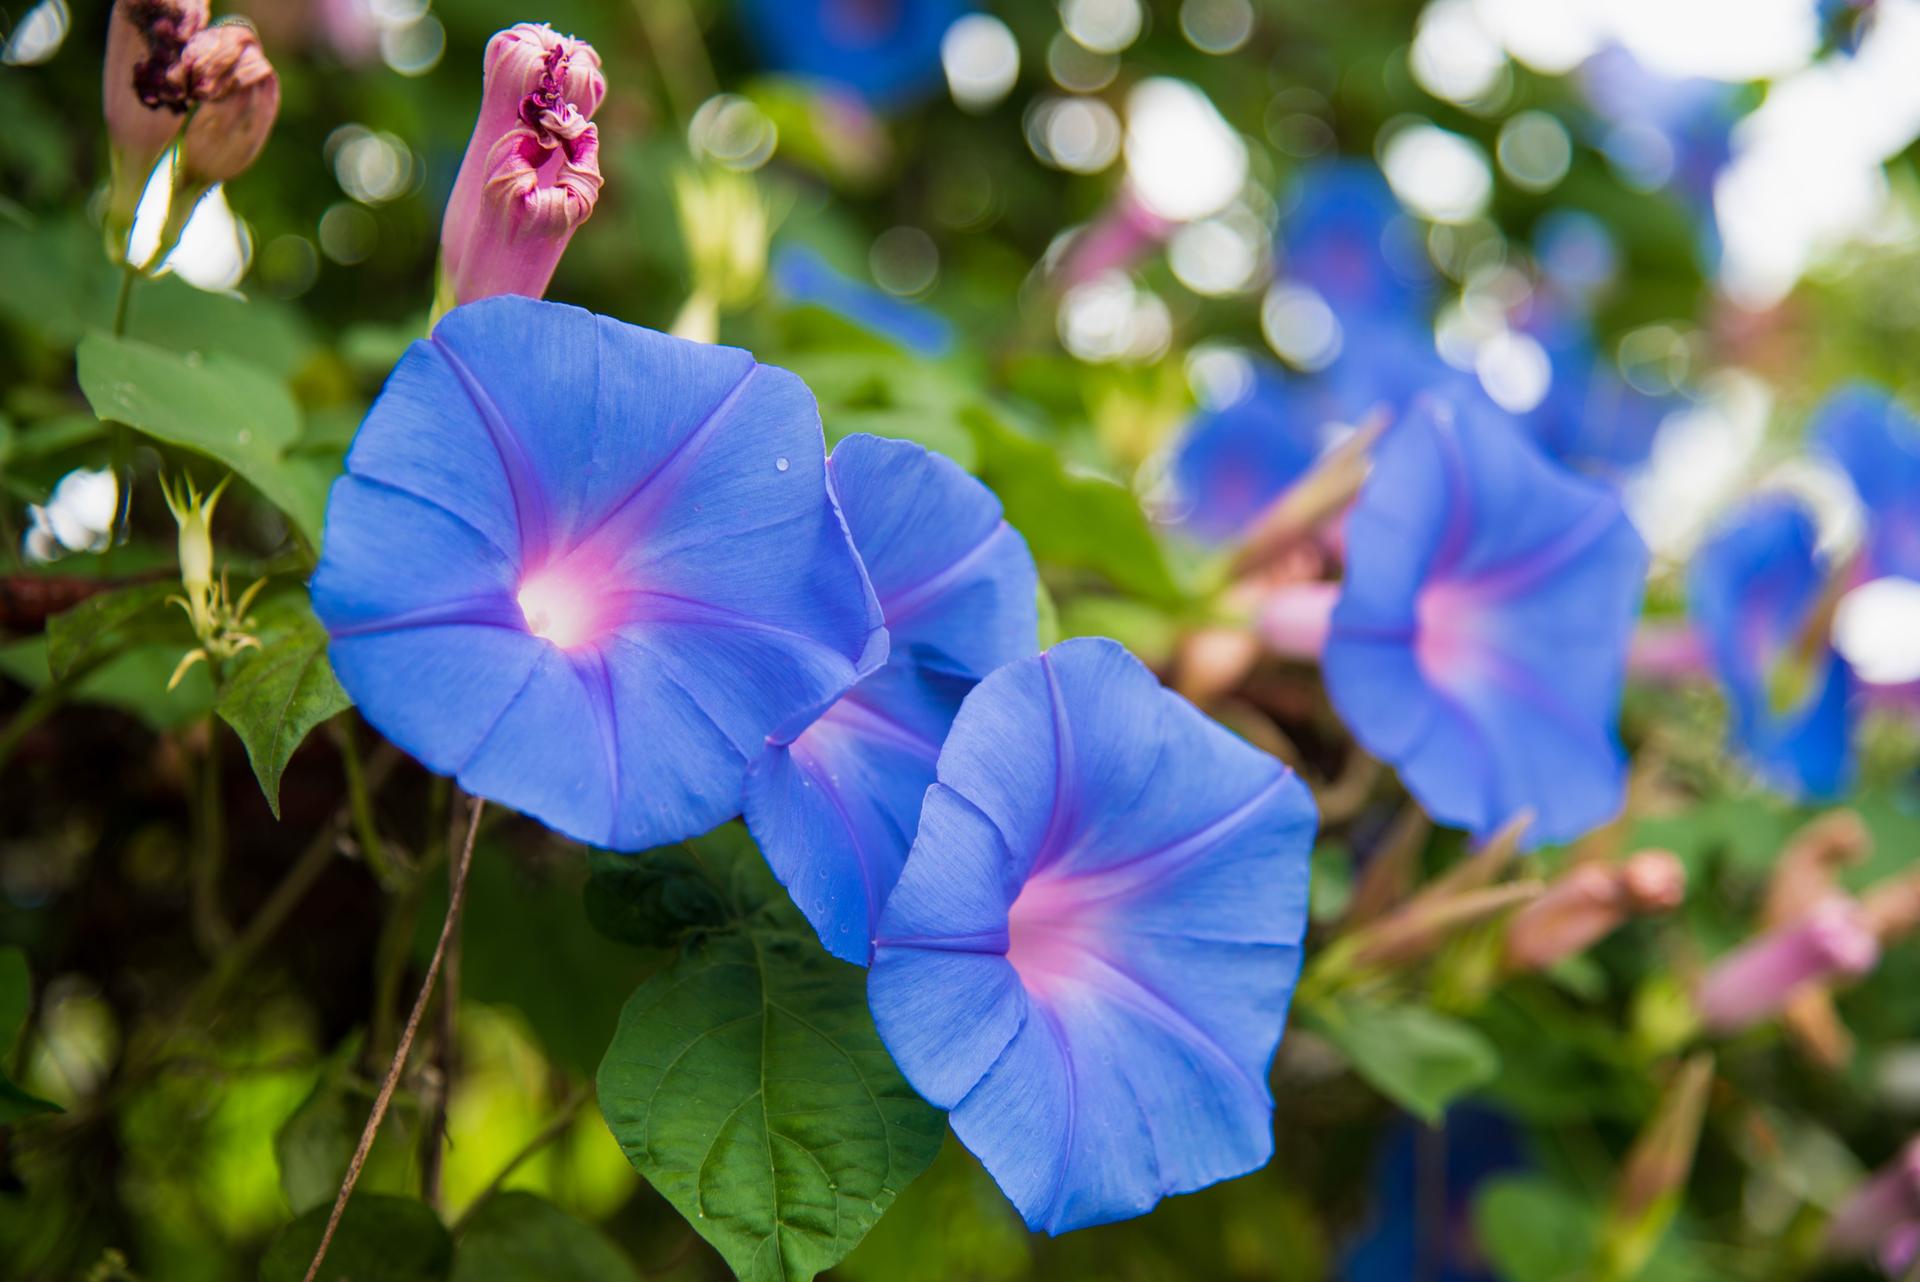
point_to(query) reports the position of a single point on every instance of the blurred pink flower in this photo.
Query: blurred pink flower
(532, 169)
(1887, 1202)
(1833, 941)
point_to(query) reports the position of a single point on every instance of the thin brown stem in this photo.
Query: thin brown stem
(372, 1129)
(445, 1055)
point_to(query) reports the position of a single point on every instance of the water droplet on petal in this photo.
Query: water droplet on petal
(781, 464)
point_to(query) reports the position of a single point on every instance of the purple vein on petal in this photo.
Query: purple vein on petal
(641, 606)
(590, 666)
(512, 558)
(529, 503)
(1060, 818)
(684, 452)
(896, 607)
(864, 719)
(1524, 573)
(1169, 859)
(1133, 991)
(495, 610)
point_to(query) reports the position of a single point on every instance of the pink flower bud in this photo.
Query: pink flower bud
(1653, 881)
(1889, 1200)
(1754, 982)
(1588, 902)
(532, 169)
(141, 93)
(228, 74)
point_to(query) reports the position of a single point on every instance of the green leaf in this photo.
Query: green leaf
(525, 946)
(1420, 1059)
(101, 624)
(316, 1141)
(278, 693)
(747, 1084)
(652, 900)
(1070, 520)
(223, 408)
(134, 681)
(16, 998)
(380, 1239)
(518, 1237)
(1535, 1231)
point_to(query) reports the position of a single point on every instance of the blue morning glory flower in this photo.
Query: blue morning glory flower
(1591, 419)
(888, 51)
(1662, 131)
(1751, 589)
(587, 569)
(802, 276)
(1479, 642)
(1348, 238)
(1236, 459)
(1877, 440)
(1091, 950)
(835, 808)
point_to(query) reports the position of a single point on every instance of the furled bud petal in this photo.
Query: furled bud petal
(238, 94)
(531, 174)
(1889, 1200)
(141, 93)
(1752, 983)
(1653, 881)
(1588, 903)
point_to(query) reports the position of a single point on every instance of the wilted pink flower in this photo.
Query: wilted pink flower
(532, 169)
(1588, 902)
(1879, 1208)
(141, 93)
(228, 75)
(1833, 941)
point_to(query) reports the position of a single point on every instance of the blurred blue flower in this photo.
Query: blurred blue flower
(1877, 440)
(835, 808)
(1348, 238)
(1480, 638)
(1661, 131)
(1475, 1145)
(1591, 418)
(802, 276)
(1091, 951)
(1751, 590)
(1236, 459)
(588, 569)
(888, 51)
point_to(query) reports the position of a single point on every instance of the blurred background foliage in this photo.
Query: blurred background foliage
(207, 1100)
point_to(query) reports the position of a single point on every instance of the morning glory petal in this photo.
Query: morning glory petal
(1482, 628)
(588, 569)
(1750, 590)
(1141, 875)
(1877, 440)
(835, 807)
